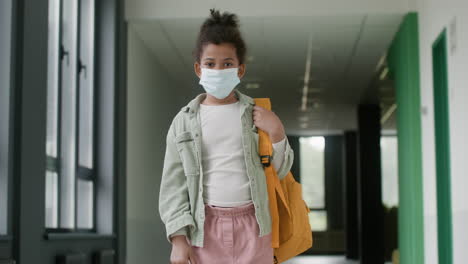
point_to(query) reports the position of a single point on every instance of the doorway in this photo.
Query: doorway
(442, 148)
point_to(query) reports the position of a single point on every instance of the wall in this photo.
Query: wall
(403, 63)
(153, 101)
(433, 17)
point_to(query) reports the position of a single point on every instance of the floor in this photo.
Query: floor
(319, 260)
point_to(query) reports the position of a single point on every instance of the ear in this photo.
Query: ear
(241, 70)
(197, 68)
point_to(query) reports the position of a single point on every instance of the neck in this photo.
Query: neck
(211, 100)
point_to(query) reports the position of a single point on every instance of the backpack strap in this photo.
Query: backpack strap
(265, 147)
(273, 183)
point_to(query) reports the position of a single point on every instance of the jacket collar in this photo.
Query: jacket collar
(194, 104)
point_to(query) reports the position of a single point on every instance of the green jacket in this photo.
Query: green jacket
(181, 205)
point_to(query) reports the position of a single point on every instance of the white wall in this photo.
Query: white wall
(153, 100)
(434, 15)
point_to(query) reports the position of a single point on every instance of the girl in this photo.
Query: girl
(213, 197)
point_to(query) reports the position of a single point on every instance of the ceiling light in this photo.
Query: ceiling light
(307, 73)
(383, 74)
(381, 62)
(389, 113)
(304, 125)
(315, 90)
(307, 110)
(252, 85)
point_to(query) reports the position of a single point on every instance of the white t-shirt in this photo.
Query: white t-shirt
(225, 181)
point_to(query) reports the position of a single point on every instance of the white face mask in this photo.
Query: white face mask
(219, 83)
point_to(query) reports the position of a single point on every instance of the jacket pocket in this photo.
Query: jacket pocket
(188, 154)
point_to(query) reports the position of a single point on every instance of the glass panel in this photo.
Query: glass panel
(312, 170)
(5, 59)
(318, 220)
(52, 78)
(86, 83)
(51, 203)
(389, 157)
(85, 204)
(68, 114)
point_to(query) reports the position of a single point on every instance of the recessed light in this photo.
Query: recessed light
(306, 110)
(252, 85)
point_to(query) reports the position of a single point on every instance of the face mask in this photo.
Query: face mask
(219, 83)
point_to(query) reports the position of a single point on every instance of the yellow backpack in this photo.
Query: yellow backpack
(291, 231)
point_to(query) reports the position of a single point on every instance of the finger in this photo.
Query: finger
(192, 260)
(259, 108)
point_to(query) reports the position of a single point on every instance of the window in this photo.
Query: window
(389, 159)
(71, 175)
(5, 88)
(312, 160)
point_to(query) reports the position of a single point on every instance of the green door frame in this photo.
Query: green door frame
(442, 148)
(403, 61)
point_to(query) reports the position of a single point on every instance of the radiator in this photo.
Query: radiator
(104, 257)
(72, 258)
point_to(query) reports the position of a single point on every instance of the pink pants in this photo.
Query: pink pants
(231, 237)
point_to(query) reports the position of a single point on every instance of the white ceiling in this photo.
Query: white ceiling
(157, 9)
(346, 50)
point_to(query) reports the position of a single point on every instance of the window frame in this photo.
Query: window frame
(7, 236)
(53, 163)
(30, 243)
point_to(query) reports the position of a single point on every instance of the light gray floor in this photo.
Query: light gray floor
(319, 260)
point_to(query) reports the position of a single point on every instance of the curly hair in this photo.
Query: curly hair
(220, 28)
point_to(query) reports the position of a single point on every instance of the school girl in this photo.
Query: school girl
(213, 196)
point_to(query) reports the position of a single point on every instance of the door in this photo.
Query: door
(442, 148)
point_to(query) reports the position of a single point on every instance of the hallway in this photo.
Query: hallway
(371, 93)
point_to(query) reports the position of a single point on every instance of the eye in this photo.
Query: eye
(209, 64)
(228, 64)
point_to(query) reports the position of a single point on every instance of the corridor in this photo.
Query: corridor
(369, 95)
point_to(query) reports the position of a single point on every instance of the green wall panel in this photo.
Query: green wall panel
(403, 60)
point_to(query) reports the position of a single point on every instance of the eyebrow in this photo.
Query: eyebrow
(213, 59)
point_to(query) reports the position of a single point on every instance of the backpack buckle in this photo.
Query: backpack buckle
(266, 160)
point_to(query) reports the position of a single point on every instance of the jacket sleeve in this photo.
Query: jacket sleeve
(288, 159)
(278, 148)
(174, 204)
(183, 231)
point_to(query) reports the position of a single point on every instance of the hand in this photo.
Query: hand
(181, 251)
(269, 122)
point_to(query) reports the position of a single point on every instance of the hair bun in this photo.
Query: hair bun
(225, 19)
(220, 28)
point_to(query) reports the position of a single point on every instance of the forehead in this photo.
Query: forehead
(219, 51)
